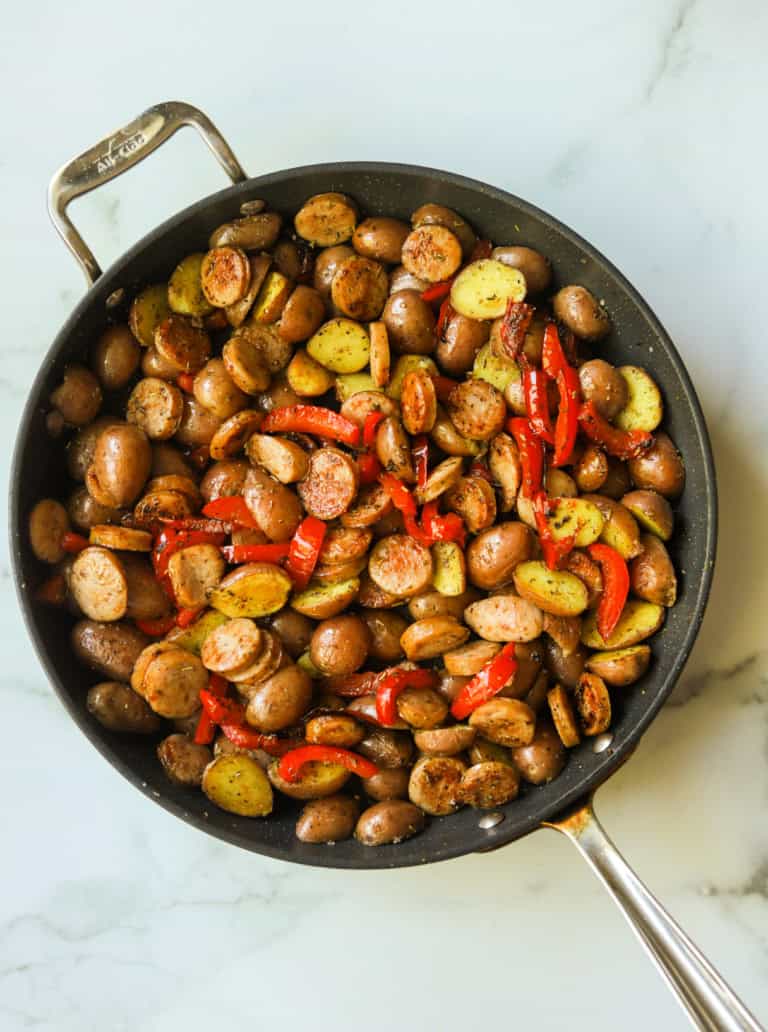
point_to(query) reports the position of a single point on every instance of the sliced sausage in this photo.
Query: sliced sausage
(233, 433)
(275, 507)
(194, 571)
(418, 402)
(225, 275)
(508, 722)
(506, 469)
(48, 523)
(223, 479)
(232, 646)
(477, 409)
(330, 485)
(360, 405)
(489, 785)
(401, 566)
(474, 500)
(393, 449)
(359, 288)
(284, 459)
(162, 505)
(155, 406)
(505, 618)
(431, 252)
(468, 660)
(434, 784)
(182, 344)
(98, 584)
(345, 543)
(431, 637)
(373, 504)
(422, 708)
(173, 681)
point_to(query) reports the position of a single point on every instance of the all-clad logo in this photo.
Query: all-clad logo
(119, 152)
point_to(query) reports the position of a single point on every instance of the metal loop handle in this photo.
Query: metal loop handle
(709, 1001)
(117, 153)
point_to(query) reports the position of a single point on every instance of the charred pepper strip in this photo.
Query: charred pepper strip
(370, 427)
(185, 617)
(444, 316)
(304, 550)
(391, 683)
(553, 358)
(205, 726)
(292, 762)
(221, 710)
(531, 455)
(312, 419)
(245, 737)
(369, 468)
(402, 498)
(514, 326)
(156, 628)
(442, 528)
(615, 587)
(623, 444)
(420, 452)
(554, 551)
(567, 425)
(486, 684)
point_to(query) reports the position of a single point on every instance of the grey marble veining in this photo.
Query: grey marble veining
(640, 125)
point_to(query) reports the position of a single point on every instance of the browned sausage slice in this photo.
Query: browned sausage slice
(122, 539)
(156, 407)
(477, 409)
(418, 402)
(98, 584)
(343, 544)
(194, 571)
(431, 637)
(162, 505)
(401, 566)
(393, 449)
(379, 359)
(48, 523)
(225, 275)
(474, 500)
(432, 253)
(172, 683)
(360, 405)
(233, 433)
(183, 344)
(330, 485)
(232, 646)
(284, 459)
(506, 469)
(443, 477)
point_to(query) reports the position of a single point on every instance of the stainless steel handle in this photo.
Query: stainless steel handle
(117, 153)
(709, 1001)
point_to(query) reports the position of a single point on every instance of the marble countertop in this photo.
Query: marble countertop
(636, 123)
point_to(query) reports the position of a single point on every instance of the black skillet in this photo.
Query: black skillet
(638, 338)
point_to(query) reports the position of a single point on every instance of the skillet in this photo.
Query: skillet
(637, 338)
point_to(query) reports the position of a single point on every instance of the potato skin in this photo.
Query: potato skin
(327, 820)
(380, 238)
(542, 759)
(183, 761)
(620, 667)
(78, 396)
(604, 386)
(117, 707)
(115, 357)
(493, 555)
(280, 701)
(340, 645)
(660, 468)
(650, 509)
(461, 340)
(121, 463)
(110, 649)
(536, 268)
(387, 784)
(387, 822)
(410, 323)
(578, 309)
(652, 576)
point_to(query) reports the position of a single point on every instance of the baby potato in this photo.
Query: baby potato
(652, 575)
(78, 397)
(460, 342)
(603, 385)
(316, 781)
(505, 618)
(652, 511)
(543, 758)
(236, 783)
(553, 591)
(620, 667)
(327, 820)
(302, 316)
(620, 529)
(380, 238)
(322, 601)
(483, 289)
(450, 576)
(643, 410)
(388, 822)
(183, 761)
(118, 708)
(115, 357)
(536, 268)
(340, 345)
(387, 784)
(660, 468)
(578, 309)
(148, 310)
(185, 292)
(410, 324)
(638, 621)
(254, 232)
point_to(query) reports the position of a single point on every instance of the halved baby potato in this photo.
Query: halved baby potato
(236, 783)
(484, 288)
(185, 292)
(307, 377)
(148, 310)
(322, 601)
(340, 345)
(620, 667)
(355, 383)
(638, 621)
(315, 781)
(450, 568)
(575, 517)
(272, 298)
(407, 364)
(255, 589)
(497, 370)
(553, 591)
(192, 638)
(644, 408)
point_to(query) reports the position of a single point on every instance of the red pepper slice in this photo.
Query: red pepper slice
(413, 530)
(156, 628)
(370, 427)
(482, 249)
(552, 355)
(220, 709)
(205, 727)
(615, 587)
(245, 737)
(485, 684)
(392, 683)
(567, 425)
(420, 452)
(369, 468)
(186, 381)
(444, 316)
(292, 762)
(437, 291)
(531, 455)
(171, 540)
(554, 551)
(255, 553)
(232, 509)
(623, 444)
(312, 419)
(537, 403)
(74, 543)
(442, 528)
(304, 550)
(443, 386)
(514, 326)
(185, 617)
(401, 497)
(53, 591)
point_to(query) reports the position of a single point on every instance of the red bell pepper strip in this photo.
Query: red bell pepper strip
(443, 386)
(420, 453)
(220, 709)
(156, 628)
(245, 737)
(531, 455)
(402, 498)
(554, 551)
(553, 358)
(412, 529)
(444, 316)
(537, 403)
(312, 419)
(232, 509)
(205, 726)
(514, 326)
(623, 444)
(304, 550)
(485, 684)
(479, 469)
(185, 617)
(74, 543)
(615, 587)
(442, 528)
(392, 683)
(482, 249)
(567, 425)
(255, 553)
(437, 291)
(186, 381)
(292, 762)
(171, 540)
(370, 427)
(369, 468)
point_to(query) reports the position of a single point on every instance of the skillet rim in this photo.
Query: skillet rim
(408, 853)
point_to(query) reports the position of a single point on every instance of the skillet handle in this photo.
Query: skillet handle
(117, 153)
(708, 1000)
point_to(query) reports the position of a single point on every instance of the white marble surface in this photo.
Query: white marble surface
(642, 125)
